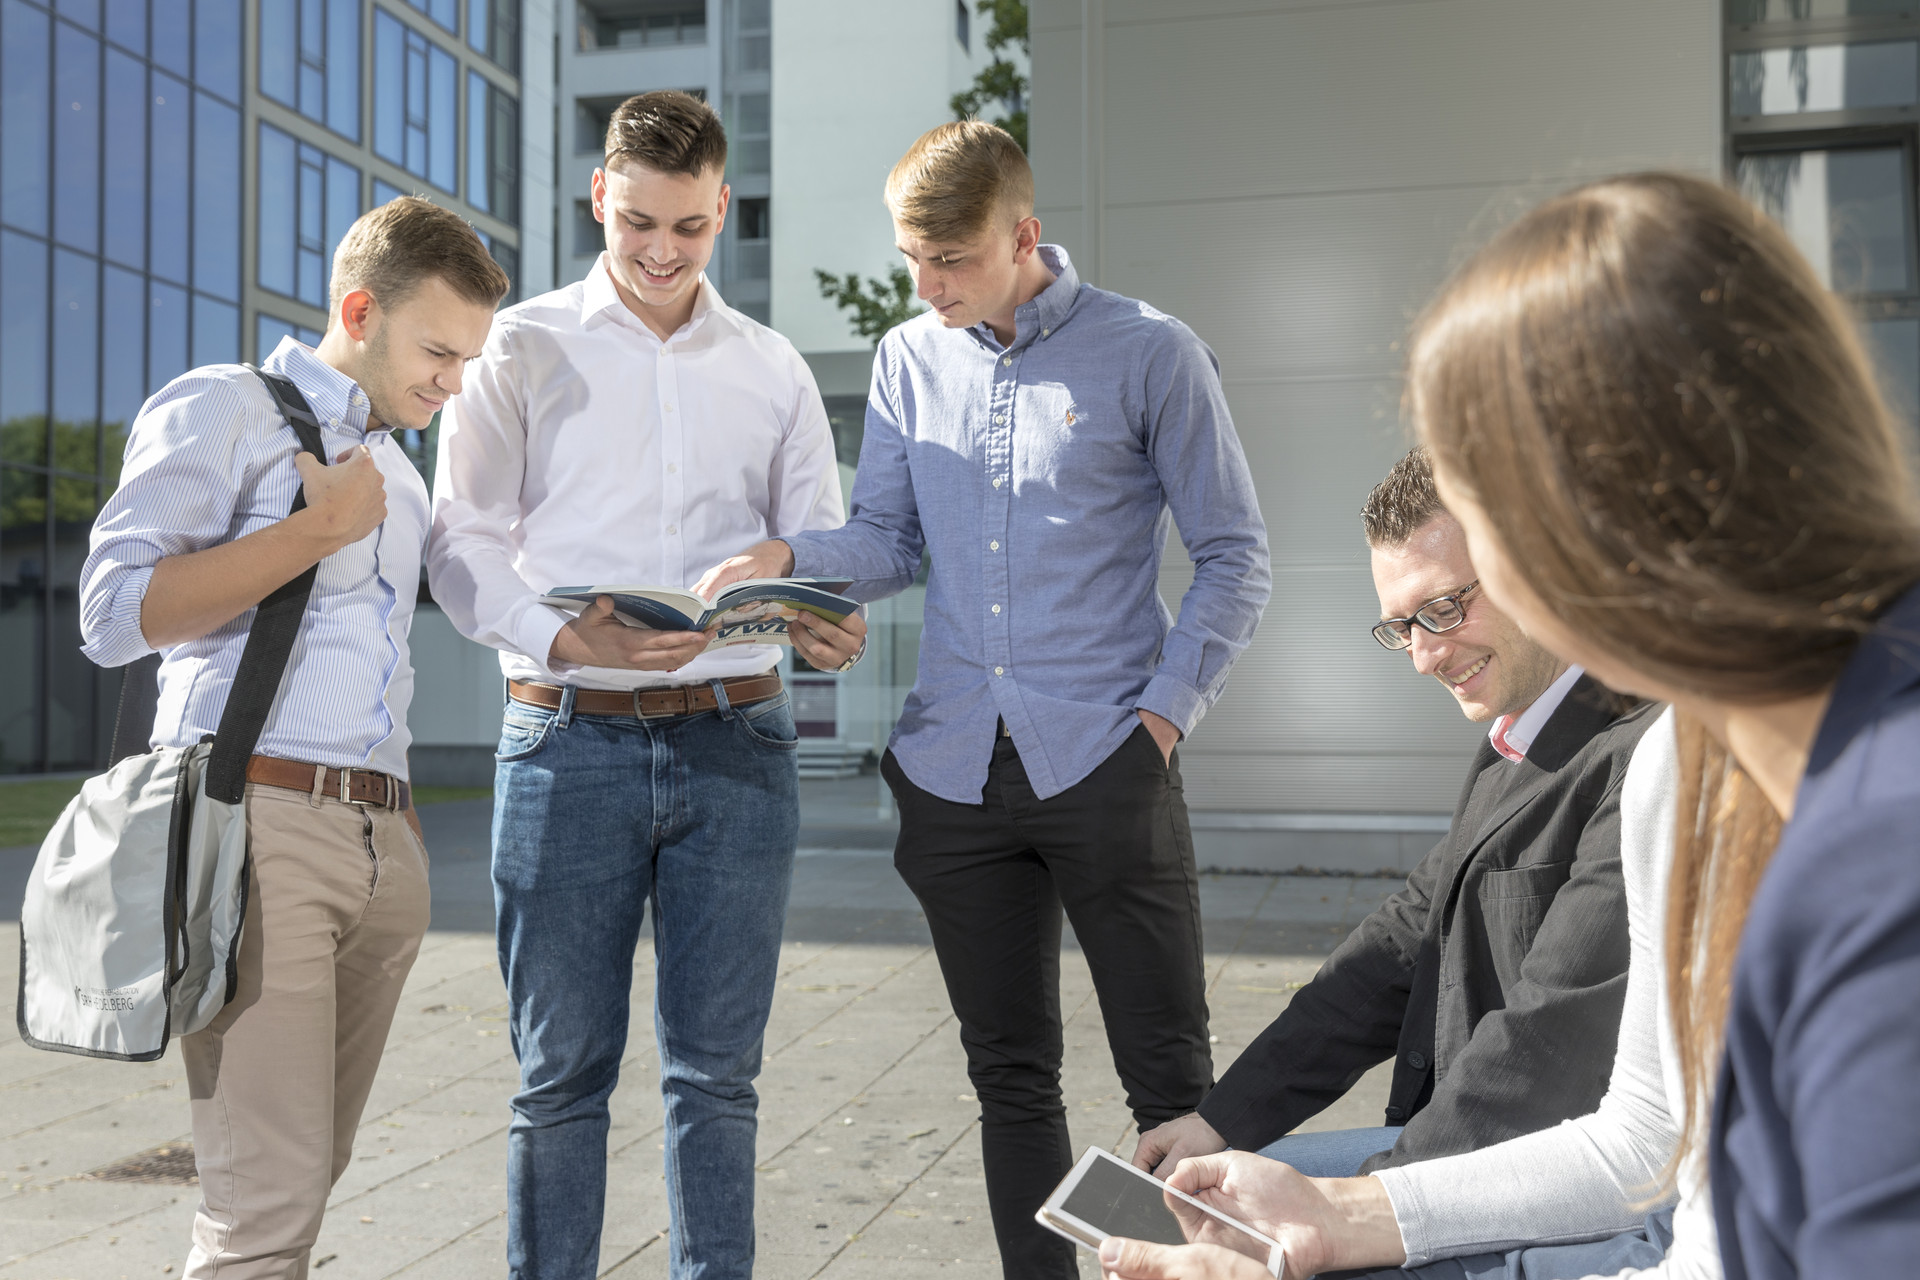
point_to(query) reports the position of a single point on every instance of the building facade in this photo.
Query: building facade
(174, 177)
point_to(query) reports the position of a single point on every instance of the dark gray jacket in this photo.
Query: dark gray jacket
(1495, 977)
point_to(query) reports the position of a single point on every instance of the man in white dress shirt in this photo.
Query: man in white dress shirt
(197, 535)
(634, 429)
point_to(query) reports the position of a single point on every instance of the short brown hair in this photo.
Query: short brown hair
(958, 179)
(667, 131)
(391, 251)
(1401, 505)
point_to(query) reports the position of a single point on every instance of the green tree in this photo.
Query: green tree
(875, 305)
(1001, 80)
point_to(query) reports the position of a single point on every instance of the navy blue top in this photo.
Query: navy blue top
(1815, 1152)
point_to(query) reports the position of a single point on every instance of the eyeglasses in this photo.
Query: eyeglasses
(1436, 616)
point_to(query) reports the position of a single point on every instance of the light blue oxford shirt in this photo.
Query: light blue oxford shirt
(209, 460)
(1040, 479)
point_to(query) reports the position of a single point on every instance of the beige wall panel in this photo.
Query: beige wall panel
(1358, 97)
(1323, 782)
(1313, 286)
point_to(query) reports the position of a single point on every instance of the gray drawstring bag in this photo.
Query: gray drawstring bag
(130, 932)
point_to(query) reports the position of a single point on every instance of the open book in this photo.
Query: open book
(756, 611)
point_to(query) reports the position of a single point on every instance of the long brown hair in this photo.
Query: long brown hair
(1674, 429)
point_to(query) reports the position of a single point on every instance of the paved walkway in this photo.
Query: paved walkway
(869, 1141)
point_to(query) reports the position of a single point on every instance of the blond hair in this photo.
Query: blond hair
(391, 251)
(959, 180)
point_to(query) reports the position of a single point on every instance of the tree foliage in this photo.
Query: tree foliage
(1001, 81)
(876, 305)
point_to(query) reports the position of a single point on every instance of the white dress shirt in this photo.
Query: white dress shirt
(584, 450)
(210, 460)
(1513, 736)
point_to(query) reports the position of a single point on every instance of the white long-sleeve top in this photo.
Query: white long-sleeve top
(585, 450)
(1592, 1177)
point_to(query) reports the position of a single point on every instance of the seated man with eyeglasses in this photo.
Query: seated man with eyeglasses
(1494, 980)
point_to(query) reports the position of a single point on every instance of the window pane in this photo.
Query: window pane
(478, 183)
(76, 729)
(76, 138)
(216, 63)
(24, 132)
(84, 12)
(1848, 211)
(23, 561)
(1830, 77)
(76, 340)
(216, 332)
(167, 193)
(280, 50)
(444, 12)
(1800, 10)
(383, 192)
(166, 334)
(126, 167)
(504, 142)
(1896, 347)
(389, 89)
(442, 115)
(23, 348)
(216, 198)
(127, 24)
(509, 259)
(267, 332)
(278, 226)
(343, 67)
(123, 383)
(343, 206)
(310, 274)
(173, 43)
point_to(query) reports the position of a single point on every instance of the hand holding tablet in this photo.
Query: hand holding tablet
(1104, 1197)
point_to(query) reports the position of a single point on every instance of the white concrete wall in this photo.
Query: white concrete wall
(854, 83)
(538, 82)
(1294, 179)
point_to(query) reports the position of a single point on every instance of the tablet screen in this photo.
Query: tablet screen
(1120, 1201)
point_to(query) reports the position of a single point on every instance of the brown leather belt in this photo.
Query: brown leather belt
(354, 786)
(650, 704)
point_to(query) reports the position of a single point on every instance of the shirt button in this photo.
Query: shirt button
(1396, 1114)
(993, 546)
(996, 482)
(1008, 360)
(1000, 418)
(673, 528)
(1045, 332)
(1417, 1060)
(996, 608)
(999, 671)
(669, 406)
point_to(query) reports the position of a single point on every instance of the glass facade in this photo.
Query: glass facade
(120, 232)
(145, 146)
(1821, 97)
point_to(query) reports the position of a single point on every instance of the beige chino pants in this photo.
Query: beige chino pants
(335, 913)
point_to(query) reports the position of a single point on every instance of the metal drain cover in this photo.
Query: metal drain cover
(172, 1164)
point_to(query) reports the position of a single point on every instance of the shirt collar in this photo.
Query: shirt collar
(1037, 318)
(602, 297)
(336, 400)
(1512, 736)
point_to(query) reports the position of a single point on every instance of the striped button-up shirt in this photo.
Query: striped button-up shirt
(210, 460)
(1041, 478)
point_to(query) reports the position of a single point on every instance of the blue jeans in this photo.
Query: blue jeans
(1332, 1153)
(1644, 1246)
(593, 817)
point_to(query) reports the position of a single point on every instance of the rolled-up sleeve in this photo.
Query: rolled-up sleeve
(1209, 490)
(182, 473)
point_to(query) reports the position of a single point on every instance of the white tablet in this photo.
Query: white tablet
(1105, 1196)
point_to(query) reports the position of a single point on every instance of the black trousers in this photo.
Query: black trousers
(1114, 850)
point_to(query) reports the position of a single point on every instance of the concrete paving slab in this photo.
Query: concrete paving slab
(861, 1030)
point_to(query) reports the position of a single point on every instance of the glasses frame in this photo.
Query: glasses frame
(1403, 640)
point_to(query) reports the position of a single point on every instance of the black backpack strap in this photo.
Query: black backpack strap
(275, 624)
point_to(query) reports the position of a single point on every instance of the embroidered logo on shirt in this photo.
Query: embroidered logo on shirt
(1070, 418)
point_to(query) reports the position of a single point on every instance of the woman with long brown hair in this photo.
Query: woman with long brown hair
(1663, 439)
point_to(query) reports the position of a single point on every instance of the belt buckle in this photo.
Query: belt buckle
(388, 800)
(685, 707)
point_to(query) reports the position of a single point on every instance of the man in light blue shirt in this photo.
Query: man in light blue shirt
(1036, 437)
(197, 535)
